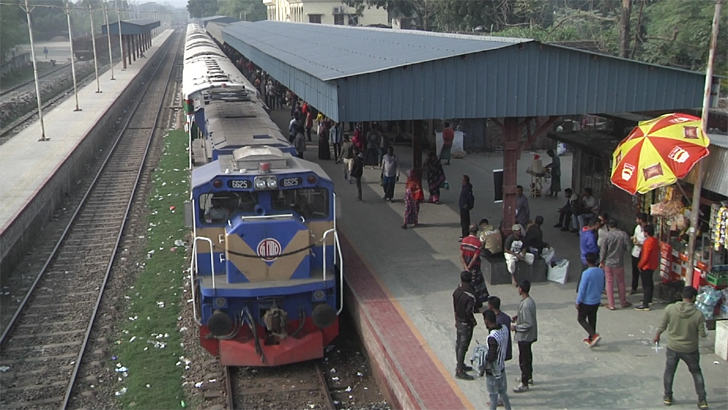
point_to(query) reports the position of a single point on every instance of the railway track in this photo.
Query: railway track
(3, 93)
(43, 344)
(301, 385)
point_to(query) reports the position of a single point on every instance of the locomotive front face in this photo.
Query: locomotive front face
(267, 286)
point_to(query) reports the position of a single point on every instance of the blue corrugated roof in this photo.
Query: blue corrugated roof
(329, 52)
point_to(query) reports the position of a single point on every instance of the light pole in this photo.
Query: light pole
(108, 37)
(73, 64)
(698, 187)
(93, 44)
(121, 44)
(35, 73)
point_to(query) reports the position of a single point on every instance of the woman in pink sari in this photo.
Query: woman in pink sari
(413, 195)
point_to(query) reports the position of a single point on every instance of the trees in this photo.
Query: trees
(202, 8)
(12, 29)
(248, 10)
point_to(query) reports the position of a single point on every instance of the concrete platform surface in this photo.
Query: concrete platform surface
(28, 163)
(402, 283)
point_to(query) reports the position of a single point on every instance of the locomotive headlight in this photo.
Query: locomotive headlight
(319, 295)
(272, 183)
(220, 303)
(260, 183)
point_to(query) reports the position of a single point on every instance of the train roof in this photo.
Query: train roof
(244, 161)
(207, 67)
(243, 123)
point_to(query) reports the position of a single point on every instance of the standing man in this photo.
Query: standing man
(470, 258)
(495, 368)
(526, 328)
(448, 136)
(45, 51)
(390, 173)
(523, 213)
(347, 156)
(555, 167)
(292, 127)
(465, 203)
(383, 145)
(336, 138)
(588, 243)
(589, 297)
(502, 318)
(357, 170)
(370, 158)
(638, 239)
(463, 300)
(614, 244)
(299, 142)
(649, 261)
(684, 323)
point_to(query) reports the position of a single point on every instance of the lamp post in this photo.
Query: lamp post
(73, 64)
(108, 37)
(35, 73)
(93, 44)
(697, 188)
(121, 44)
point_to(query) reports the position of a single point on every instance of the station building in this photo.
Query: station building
(331, 12)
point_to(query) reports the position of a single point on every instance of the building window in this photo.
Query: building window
(339, 19)
(314, 18)
(353, 20)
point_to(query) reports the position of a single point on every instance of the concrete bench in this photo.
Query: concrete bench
(495, 271)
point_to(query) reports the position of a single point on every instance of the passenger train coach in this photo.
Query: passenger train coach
(266, 270)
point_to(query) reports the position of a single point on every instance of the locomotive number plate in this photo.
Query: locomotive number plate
(239, 184)
(290, 182)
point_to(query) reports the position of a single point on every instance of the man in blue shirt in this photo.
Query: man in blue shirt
(589, 298)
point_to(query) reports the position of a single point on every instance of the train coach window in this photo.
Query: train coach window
(219, 207)
(310, 203)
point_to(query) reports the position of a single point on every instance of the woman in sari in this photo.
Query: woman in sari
(435, 177)
(413, 195)
(324, 152)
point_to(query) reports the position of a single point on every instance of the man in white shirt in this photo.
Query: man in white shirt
(638, 239)
(390, 173)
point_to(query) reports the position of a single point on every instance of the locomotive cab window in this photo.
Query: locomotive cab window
(310, 203)
(219, 207)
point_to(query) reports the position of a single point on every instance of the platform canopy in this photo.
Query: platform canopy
(374, 74)
(131, 27)
(204, 21)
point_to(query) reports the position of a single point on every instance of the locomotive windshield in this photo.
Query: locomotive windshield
(219, 207)
(310, 203)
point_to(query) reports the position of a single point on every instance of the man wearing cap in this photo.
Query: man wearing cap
(515, 250)
(464, 301)
(470, 248)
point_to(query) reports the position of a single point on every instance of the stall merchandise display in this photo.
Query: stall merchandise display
(719, 227)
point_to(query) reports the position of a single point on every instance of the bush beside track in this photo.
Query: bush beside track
(149, 345)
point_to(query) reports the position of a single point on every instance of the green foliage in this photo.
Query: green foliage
(248, 10)
(13, 30)
(202, 8)
(154, 379)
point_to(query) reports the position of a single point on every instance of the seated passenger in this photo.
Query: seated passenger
(491, 239)
(583, 209)
(534, 236)
(515, 250)
(216, 213)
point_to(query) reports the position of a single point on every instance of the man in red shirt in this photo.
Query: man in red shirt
(470, 258)
(448, 135)
(649, 262)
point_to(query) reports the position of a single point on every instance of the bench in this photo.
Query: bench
(495, 271)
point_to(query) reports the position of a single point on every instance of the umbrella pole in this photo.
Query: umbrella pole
(695, 214)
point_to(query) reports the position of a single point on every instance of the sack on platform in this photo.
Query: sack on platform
(559, 272)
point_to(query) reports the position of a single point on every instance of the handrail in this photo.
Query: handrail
(267, 216)
(212, 254)
(323, 239)
(341, 273)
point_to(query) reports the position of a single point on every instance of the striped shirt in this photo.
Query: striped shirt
(470, 248)
(500, 337)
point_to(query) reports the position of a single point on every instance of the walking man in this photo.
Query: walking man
(495, 368)
(463, 300)
(684, 323)
(347, 156)
(390, 173)
(523, 212)
(45, 51)
(649, 261)
(589, 297)
(466, 203)
(336, 137)
(614, 244)
(526, 328)
(357, 170)
(555, 167)
(638, 239)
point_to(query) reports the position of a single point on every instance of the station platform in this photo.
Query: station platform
(30, 165)
(399, 290)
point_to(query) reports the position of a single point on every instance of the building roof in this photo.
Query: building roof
(220, 19)
(372, 74)
(361, 51)
(131, 27)
(598, 143)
